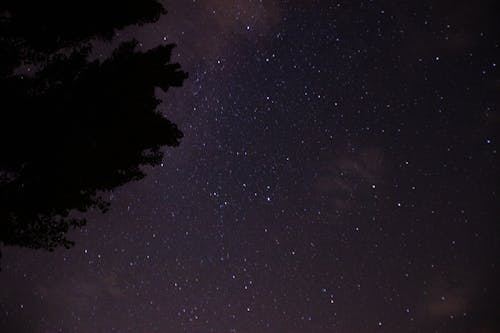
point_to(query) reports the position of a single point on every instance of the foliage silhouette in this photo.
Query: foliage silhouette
(76, 127)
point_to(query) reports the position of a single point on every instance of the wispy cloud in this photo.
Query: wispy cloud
(349, 178)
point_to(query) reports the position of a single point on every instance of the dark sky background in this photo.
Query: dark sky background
(339, 173)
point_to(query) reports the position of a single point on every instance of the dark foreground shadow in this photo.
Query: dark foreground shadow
(74, 127)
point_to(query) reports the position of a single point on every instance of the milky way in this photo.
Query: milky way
(339, 173)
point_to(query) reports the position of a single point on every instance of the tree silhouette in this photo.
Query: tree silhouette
(74, 128)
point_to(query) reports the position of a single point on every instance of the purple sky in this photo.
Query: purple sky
(339, 173)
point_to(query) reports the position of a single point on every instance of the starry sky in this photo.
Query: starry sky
(339, 173)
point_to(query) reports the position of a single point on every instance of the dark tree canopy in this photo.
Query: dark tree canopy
(74, 127)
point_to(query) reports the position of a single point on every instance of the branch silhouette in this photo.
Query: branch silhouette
(75, 128)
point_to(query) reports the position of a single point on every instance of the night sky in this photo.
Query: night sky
(339, 173)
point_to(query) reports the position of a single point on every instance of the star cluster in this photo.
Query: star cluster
(339, 173)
